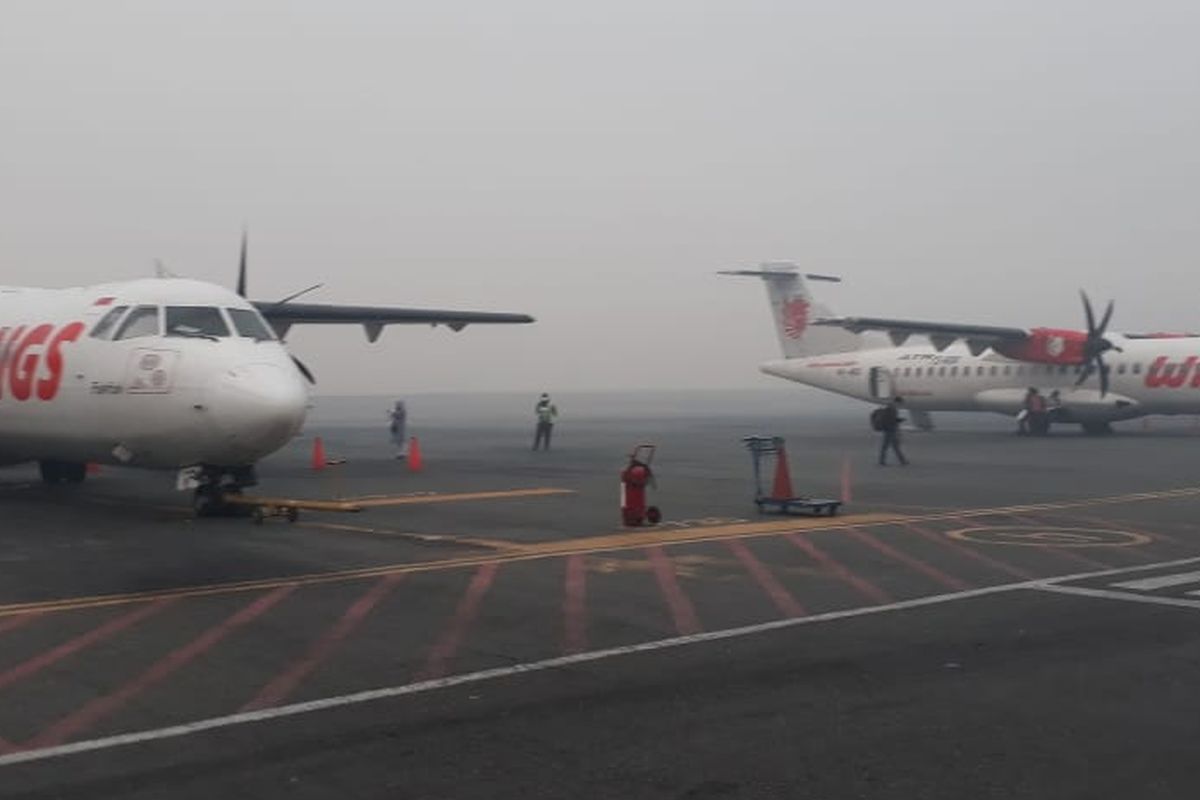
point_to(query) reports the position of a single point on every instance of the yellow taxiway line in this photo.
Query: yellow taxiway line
(379, 501)
(625, 540)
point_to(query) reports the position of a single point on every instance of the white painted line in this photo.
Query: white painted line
(294, 709)
(1159, 582)
(1083, 591)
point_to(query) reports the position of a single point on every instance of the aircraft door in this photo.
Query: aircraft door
(880, 384)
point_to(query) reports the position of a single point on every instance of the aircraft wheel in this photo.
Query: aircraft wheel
(206, 502)
(51, 472)
(73, 472)
(653, 515)
(1097, 428)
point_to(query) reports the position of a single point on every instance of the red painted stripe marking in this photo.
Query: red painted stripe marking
(834, 568)
(575, 606)
(97, 709)
(683, 613)
(782, 598)
(468, 608)
(916, 564)
(68, 648)
(17, 621)
(995, 563)
(285, 683)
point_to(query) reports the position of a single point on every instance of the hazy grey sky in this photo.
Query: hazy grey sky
(594, 163)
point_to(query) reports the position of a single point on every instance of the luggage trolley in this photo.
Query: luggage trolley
(766, 451)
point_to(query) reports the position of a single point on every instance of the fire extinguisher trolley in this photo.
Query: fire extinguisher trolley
(769, 456)
(635, 479)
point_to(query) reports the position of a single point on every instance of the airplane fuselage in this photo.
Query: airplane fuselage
(1150, 376)
(196, 378)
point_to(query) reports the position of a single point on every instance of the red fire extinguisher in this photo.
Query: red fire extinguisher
(635, 478)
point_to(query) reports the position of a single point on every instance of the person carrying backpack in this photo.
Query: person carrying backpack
(886, 420)
(545, 413)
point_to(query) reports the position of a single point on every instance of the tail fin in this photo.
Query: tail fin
(793, 309)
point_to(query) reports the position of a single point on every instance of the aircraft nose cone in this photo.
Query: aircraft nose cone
(258, 408)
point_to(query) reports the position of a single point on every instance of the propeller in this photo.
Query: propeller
(241, 290)
(241, 284)
(304, 370)
(1096, 345)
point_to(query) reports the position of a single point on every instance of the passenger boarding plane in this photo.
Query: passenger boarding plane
(165, 374)
(1101, 377)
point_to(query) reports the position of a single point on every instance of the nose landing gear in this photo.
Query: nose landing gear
(212, 485)
(55, 472)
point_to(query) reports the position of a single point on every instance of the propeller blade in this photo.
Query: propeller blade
(241, 284)
(1107, 316)
(1103, 376)
(1088, 369)
(305, 371)
(1087, 309)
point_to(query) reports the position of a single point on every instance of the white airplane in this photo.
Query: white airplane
(164, 374)
(962, 367)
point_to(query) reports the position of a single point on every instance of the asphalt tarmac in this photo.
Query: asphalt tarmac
(1006, 617)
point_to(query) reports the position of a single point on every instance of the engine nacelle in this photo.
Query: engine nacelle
(1047, 346)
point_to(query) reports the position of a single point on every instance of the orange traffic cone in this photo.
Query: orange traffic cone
(414, 455)
(318, 454)
(782, 489)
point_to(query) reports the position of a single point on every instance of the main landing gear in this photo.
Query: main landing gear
(56, 472)
(214, 484)
(1097, 428)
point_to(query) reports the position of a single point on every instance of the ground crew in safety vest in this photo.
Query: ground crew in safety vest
(546, 412)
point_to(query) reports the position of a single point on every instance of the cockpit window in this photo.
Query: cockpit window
(249, 324)
(196, 321)
(142, 321)
(108, 322)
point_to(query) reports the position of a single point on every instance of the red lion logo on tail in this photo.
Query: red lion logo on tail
(795, 317)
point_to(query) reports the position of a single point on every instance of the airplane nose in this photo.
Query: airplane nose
(258, 407)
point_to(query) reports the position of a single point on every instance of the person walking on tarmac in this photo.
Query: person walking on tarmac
(889, 427)
(546, 412)
(1024, 417)
(398, 428)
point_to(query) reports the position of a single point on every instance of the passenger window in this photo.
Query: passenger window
(142, 321)
(941, 371)
(979, 370)
(108, 322)
(196, 322)
(248, 323)
(918, 371)
(953, 371)
(1137, 369)
(1120, 369)
(1062, 370)
(992, 371)
(1007, 370)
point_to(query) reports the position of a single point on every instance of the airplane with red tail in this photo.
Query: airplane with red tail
(1096, 377)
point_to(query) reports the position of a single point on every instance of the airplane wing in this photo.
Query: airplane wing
(942, 334)
(283, 316)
